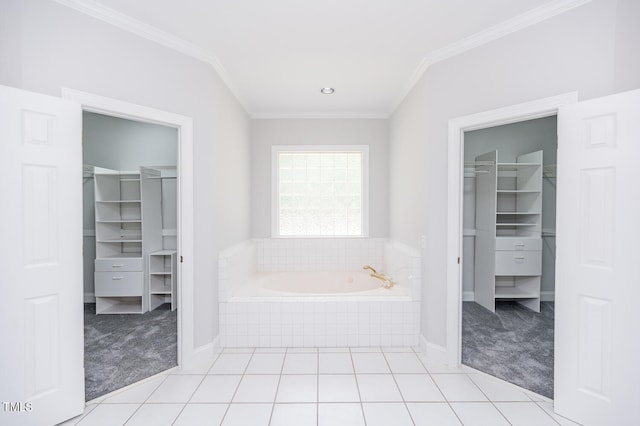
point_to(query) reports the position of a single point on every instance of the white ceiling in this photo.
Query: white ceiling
(278, 54)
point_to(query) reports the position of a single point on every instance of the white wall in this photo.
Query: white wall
(59, 47)
(266, 133)
(627, 42)
(512, 140)
(572, 51)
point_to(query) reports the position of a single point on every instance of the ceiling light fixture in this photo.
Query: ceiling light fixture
(327, 90)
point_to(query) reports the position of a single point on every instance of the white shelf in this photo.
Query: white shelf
(117, 201)
(125, 255)
(163, 252)
(120, 221)
(162, 278)
(517, 213)
(515, 293)
(512, 167)
(119, 307)
(517, 191)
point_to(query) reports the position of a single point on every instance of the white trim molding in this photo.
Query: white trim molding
(433, 352)
(149, 32)
(320, 116)
(455, 165)
(117, 108)
(517, 23)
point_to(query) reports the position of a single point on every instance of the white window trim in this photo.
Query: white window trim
(275, 217)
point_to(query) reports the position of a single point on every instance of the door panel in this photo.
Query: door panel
(597, 289)
(41, 321)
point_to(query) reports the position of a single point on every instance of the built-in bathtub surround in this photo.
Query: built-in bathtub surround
(266, 299)
(317, 254)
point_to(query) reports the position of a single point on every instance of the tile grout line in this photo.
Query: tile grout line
(355, 377)
(488, 399)
(440, 390)
(196, 390)
(393, 376)
(318, 388)
(144, 402)
(238, 386)
(275, 396)
(549, 414)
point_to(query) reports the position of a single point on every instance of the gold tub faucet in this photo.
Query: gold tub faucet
(387, 282)
(370, 268)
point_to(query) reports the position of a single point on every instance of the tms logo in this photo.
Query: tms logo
(17, 407)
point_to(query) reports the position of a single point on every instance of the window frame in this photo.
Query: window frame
(275, 194)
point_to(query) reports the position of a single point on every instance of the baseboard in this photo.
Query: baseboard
(217, 347)
(89, 298)
(432, 351)
(201, 354)
(547, 296)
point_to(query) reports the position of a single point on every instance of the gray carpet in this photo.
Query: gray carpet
(515, 344)
(122, 349)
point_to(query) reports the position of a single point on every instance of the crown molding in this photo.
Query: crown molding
(137, 27)
(320, 116)
(141, 29)
(517, 23)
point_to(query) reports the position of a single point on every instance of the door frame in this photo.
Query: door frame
(185, 239)
(455, 191)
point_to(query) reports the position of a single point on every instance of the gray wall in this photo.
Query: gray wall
(512, 140)
(575, 51)
(47, 46)
(119, 144)
(266, 133)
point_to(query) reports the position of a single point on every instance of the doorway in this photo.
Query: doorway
(508, 256)
(455, 190)
(187, 355)
(130, 242)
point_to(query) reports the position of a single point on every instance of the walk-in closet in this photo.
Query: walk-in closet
(509, 252)
(130, 257)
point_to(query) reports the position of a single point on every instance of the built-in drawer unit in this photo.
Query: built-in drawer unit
(118, 284)
(520, 244)
(518, 263)
(119, 264)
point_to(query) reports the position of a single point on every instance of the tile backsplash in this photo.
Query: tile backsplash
(317, 254)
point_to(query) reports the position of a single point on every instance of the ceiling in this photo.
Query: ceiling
(276, 55)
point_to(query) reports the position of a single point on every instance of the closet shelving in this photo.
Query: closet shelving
(135, 265)
(162, 278)
(118, 219)
(161, 256)
(508, 243)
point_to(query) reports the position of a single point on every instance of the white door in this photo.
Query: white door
(41, 320)
(597, 339)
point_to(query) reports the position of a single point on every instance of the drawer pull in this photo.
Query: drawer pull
(518, 259)
(520, 245)
(117, 278)
(117, 265)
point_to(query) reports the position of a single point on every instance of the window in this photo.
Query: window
(320, 190)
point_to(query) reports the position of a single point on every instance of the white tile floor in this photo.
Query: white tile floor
(341, 386)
